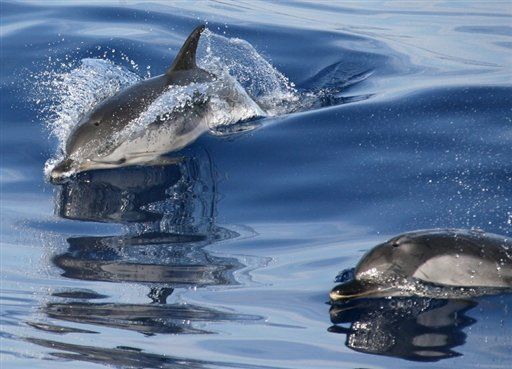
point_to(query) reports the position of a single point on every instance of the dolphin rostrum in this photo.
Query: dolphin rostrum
(96, 142)
(433, 263)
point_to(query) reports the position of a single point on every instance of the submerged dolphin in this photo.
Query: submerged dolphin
(432, 263)
(95, 143)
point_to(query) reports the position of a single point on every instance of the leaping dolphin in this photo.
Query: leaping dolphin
(432, 263)
(93, 144)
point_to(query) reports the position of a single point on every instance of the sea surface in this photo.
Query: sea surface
(379, 118)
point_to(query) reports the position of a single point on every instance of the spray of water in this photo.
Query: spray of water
(238, 58)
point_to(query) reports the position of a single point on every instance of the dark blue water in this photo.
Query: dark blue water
(225, 259)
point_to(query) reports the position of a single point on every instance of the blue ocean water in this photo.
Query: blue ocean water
(385, 117)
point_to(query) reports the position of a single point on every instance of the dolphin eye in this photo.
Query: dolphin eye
(395, 244)
(96, 124)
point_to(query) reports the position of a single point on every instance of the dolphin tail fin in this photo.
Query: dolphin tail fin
(186, 58)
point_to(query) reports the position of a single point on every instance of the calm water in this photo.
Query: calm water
(402, 120)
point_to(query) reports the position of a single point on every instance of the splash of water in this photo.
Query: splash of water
(67, 96)
(272, 90)
(228, 103)
(70, 95)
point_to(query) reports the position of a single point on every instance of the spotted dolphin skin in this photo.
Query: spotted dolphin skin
(432, 263)
(88, 146)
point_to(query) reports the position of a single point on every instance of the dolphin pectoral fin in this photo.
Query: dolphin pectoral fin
(186, 58)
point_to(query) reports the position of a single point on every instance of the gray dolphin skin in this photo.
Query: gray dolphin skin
(432, 263)
(88, 145)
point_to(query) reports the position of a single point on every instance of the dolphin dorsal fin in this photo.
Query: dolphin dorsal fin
(186, 58)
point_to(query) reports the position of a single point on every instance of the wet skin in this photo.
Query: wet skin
(450, 259)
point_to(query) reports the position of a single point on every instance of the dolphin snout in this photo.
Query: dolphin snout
(356, 289)
(346, 290)
(61, 171)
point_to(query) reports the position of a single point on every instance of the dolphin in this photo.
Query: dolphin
(95, 143)
(433, 263)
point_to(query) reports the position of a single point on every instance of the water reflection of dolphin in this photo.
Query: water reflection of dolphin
(119, 195)
(174, 199)
(161, 266)
(176, 205)
(169, 211)
(130, 357)
(174, 259)
(432, 263)
(148, 319)
(417, 329)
